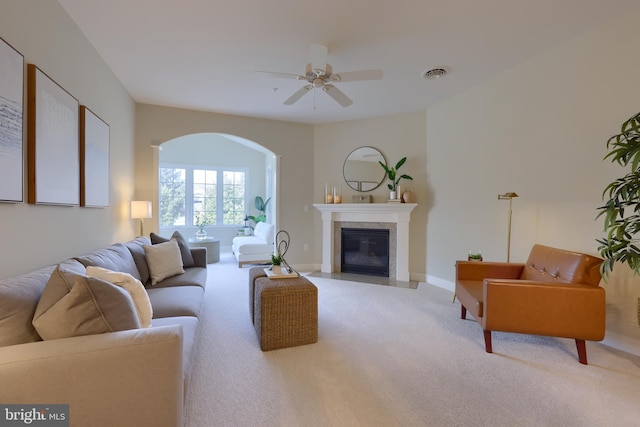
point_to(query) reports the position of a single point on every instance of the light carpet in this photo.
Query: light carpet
(389, 356)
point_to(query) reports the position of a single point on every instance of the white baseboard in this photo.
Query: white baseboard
(441, 283)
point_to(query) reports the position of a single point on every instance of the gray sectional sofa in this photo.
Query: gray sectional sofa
(135, 377)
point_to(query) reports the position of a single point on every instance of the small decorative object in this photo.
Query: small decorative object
(201, 234)
(328, 193)
(392, 174)
(475, 256)
(337, 194)
(409, 197)
(277, 271)
(276, 264)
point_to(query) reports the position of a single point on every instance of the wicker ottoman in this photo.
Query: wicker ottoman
(285, 312)
(254, 273)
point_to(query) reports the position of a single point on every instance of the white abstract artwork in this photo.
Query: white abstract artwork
(54, 149)
(11, 114)
(94, 143)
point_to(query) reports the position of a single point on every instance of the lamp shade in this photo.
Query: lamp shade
(141, 209)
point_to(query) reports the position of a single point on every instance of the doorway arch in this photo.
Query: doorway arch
(222, 150)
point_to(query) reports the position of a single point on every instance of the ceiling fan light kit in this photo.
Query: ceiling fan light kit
(319, 75)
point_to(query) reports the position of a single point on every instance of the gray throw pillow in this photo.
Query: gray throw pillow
(185, 251)
(73, 305)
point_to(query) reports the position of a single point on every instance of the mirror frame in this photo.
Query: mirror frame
(371, 185)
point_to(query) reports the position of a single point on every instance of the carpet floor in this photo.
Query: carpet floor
(390, 356)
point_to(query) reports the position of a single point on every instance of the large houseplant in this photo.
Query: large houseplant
(621, 211)
(261, 206)
(394, 178)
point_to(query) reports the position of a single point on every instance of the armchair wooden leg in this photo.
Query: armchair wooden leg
(487, 342)
(582, 351)
(463, 312)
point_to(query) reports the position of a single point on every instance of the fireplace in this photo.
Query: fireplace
(394, 217)
(365, 251)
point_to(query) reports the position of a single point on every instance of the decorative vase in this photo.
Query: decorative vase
(409, 197)
(201, 234)
(392, 195)
(276, 269)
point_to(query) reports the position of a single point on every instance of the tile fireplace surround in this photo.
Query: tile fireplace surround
(393, 216)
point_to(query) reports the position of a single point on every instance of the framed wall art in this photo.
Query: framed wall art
(94, 160)
(11, 123)
(52, 140)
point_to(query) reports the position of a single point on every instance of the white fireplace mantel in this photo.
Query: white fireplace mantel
(397, 213)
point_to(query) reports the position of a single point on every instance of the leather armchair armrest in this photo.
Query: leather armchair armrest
(132, 377)
(552, 309)
(199, 257)
(474, 270)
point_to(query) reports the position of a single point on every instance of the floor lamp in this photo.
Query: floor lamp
(508, 196)
(141, 209)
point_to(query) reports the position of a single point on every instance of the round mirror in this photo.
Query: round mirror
(361, 169)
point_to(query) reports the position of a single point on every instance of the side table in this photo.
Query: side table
(213, 248)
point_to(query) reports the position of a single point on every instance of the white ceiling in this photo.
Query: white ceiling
(204, 54)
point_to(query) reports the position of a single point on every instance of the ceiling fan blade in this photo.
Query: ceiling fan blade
(319, 57)
(299, 94)
(357, 76)
(338, 95)
(280, 75)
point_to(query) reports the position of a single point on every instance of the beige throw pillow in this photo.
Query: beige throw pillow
(164, 260)
(133, 286)
(73, 305)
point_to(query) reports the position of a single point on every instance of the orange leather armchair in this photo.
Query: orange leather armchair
(555, 293)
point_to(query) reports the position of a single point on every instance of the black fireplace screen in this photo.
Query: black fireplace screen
(365, 251)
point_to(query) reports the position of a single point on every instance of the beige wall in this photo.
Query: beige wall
(292, 142)
(34, 236)
(540, 130)
(395, 136)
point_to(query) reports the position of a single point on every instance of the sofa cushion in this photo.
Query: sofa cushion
(130, 284)
(164, 260)
(73, 304)
(115, 258)
(176, 301)
(136, 247)
(194, 276)
(185, 251)
(264, 231)
(247, 245)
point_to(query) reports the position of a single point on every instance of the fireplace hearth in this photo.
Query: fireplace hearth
(365, 251)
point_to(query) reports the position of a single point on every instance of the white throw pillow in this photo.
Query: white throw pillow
(133, 286)
(164, 260)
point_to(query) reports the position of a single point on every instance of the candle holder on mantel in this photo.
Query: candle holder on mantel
(328, 193)
(337, 195)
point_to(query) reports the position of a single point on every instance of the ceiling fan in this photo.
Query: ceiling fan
(319, 75)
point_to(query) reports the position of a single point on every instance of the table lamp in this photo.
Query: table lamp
(141, 209)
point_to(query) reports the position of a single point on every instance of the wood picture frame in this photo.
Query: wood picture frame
(52, 141)
(94, 160)
(11, 124)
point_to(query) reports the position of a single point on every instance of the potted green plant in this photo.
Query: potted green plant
(392, 175)
(261, 206)
(621, 210)
(276, 263)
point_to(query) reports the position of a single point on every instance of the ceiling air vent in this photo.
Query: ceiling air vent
(434, 73)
